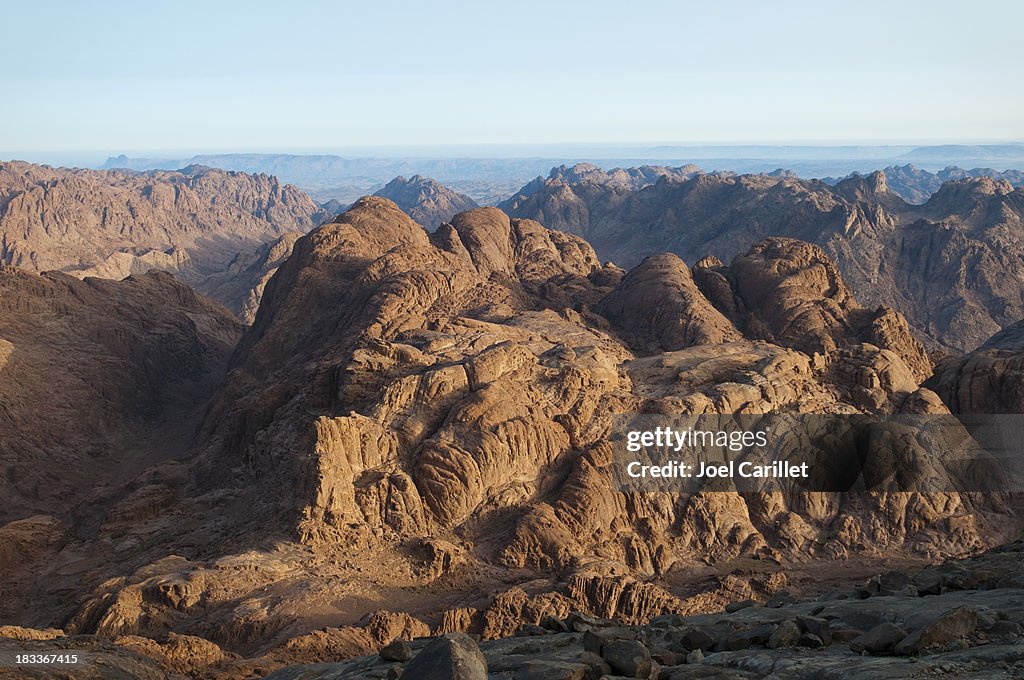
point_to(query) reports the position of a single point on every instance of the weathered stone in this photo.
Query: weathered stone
(554, 623)
(1005, 629)
(597, 664)
(452, 656)
(845, 634)
(531, 630)
(780, 599)
(816, 626)
(580, 622)
(396, 650)
(758, 635)
(879, 640)
(628, 657)
(786, 634)
(594, 640)
(665, 657)
(696, 638)
(941, 633)
(811, 641)
(551, 669)
(737, 606)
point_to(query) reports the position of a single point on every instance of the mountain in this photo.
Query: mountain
(193, 221)
(423, 433)
(98, 380)
(916, 185)
(489, 174)
(954, 265)
(426, 201)
(989, 380)
(434, 413)
(240, 287)
(344, 179)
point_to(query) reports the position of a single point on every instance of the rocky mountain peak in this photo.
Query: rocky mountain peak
(872, 187)
(425, 200)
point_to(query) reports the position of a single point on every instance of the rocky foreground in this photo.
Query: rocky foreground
(957, 620)
(961, 619)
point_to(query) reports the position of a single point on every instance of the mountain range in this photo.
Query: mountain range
(490, 174)
(427, 201)
(413, 437)
(953, 265)
(195, 222)
(416, 431)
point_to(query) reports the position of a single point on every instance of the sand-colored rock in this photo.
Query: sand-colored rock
(428, 202)
(429, 419)
(206, 226)
(657, 306)
(988, 380)
(951, 266)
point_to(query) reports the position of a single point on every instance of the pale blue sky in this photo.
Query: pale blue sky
(265, 76)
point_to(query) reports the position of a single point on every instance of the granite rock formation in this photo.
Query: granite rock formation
(428, 202)
(916, 185)
(989, 380)
(414, 437)
(953, 266)
(942, 622)
(194, 222)
(93, 375)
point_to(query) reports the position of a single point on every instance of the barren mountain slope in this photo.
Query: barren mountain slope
(416, 435)
(240, 287)
(916, 185)
(99, 381)
(193, 222)
(954, 266)
(93, 375)
(426, 201)
(987, 380)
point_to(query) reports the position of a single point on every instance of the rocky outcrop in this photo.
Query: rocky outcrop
(988, 380)
(436, 419)
(940, 621)
(952, 266)
(443, 403)
(658, 307)
(916, 185)
(240, 287)
(426, 201)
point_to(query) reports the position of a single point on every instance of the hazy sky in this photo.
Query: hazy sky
(252, 75)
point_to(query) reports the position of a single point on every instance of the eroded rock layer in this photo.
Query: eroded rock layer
(194, 222)
(952, 265)
(414, 409)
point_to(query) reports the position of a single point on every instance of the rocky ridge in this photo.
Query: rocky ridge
(101, 386)
(916, 185)
(428, 202)
(989, 380)
(958, 620)
(193, 222)
(425, 418)
(953, 266)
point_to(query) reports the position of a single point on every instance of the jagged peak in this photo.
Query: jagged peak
(863, 187)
